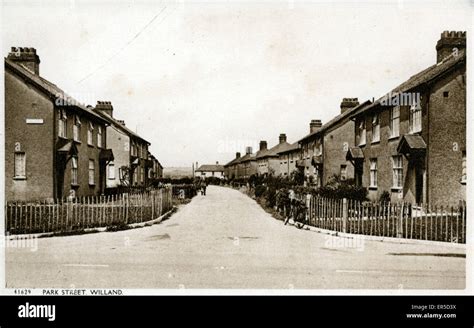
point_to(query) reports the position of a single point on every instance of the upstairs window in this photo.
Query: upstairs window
(375, 128)
(362, 133)
(395, 122)
(90, 134)
(99, 136)
(415, 118)
(76, 129)
(62, 124)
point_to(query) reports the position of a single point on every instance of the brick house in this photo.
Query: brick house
(247, 164)
(411, 142)
(338, 137)
(54, 146)
(311, 147)
(131, 163)
(288, 158)
(230, 169)
(210, 170)
(268, 162)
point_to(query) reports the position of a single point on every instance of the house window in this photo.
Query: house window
(134, 150)
(150, 173)
(375, 128)
(142, 175)
(74, 170)
(415, 118)
(373, 173)
(90, 134)
(99, 136)
(91, 172)
(20, 165)
(343, 172)
(111, 171)
(362, 133)
(397, 175)
(62, 126)
(395, 121)
(76, 129)
(135, 176)
(464, 168)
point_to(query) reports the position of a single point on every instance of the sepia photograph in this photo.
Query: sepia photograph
(222, 147)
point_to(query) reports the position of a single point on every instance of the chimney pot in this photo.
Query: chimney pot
(282, 138)
(315, 125)
(348, 103)
(237, 155)
(26, 57)
(263, 145)
(105, 107)
(448, 41)
(248, 150)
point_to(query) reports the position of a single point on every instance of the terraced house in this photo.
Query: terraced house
(131, 163)
(55, 146)
(288, 158)
(230, 169)
(268, 162)
(311, 160)
(411, 142)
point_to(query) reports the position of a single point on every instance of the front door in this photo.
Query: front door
(419, 185)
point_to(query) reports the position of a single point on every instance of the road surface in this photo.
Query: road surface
(226, 240)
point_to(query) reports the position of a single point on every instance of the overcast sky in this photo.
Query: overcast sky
(197, 80)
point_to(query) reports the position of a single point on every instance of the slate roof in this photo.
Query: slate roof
(119, 125)
(336, 120)
(425, 76)
(51, 89)
(210, 168)
(289, 148)
(273, 152)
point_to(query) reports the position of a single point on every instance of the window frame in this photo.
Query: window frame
(415, 118)
(373, 169)
(111, 168)
(91, 170)
(62, 124)
(90, 134)
(17, 176)
(394, 133)
(397, 172)
(375, 128)
(76, 129)
(74, 171)
(362, 132)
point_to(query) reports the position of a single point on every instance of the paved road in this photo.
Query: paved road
(225, 240)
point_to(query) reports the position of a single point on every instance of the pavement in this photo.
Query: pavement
(226, 240)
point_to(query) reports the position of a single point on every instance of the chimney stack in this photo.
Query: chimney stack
(282, 138)
(263, 145)
(122, 122)
(217, 162)
(248, 150)
(348, 103)
(448, 42)
(106, 107)
(237, 155)
(26, 57)
(315, 125)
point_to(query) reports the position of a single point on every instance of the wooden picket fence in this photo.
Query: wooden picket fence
(402, 220)
(87, 212)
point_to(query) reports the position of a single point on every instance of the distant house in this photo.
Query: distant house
(230, 169)
(54, 146)
(129, 167)
(411, 142)
(210, 170)
(311, 160)
(288, 158)
(268, 160)
(247, 165)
